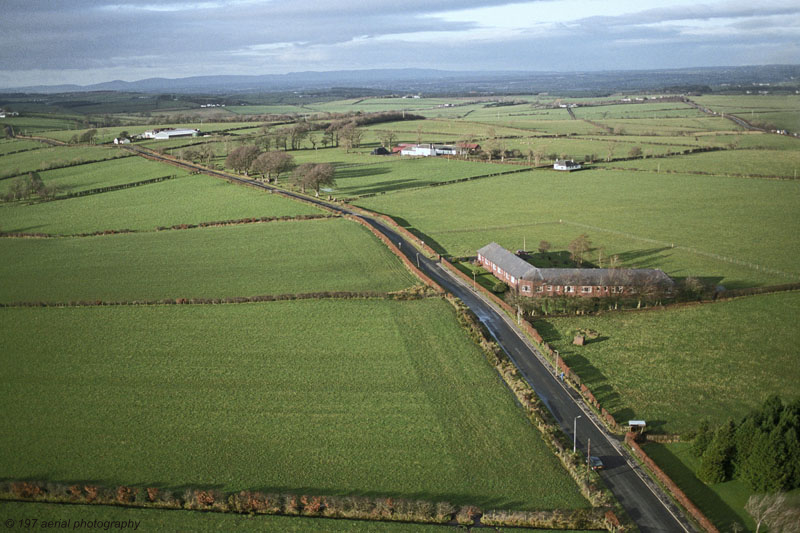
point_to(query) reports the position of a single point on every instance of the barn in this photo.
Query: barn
(585, 282)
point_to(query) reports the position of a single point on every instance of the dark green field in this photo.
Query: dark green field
(330, 397)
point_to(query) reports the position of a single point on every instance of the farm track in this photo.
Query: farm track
(644, 501)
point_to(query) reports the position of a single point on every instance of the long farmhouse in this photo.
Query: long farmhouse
(586, 282)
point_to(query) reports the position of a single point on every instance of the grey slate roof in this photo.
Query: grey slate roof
(506, 260)
(521, 269)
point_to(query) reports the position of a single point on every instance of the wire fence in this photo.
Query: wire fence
(718, 257)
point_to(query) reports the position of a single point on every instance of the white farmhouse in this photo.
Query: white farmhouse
(566, 164)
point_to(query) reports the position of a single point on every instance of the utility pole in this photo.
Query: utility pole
(575, 433)
(589, 452)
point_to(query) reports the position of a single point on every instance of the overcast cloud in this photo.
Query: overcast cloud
(89, 41)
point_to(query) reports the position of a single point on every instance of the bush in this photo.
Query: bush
(499, 287)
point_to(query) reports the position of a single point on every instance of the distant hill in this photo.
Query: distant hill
(442, 81)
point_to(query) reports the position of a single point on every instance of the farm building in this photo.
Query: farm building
(586, 282)
(121, 140)
(170, 133)
(566, 164)
(427, 150)
(380, 150)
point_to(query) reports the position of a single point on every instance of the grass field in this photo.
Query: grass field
(33, 125)
(674, 368)
(247, 260)
(639, 111)
(399, 402)
(103, 174)
(395, 173)
(45, 157)
(780, 111)
(15, 145)
(669, 126)
(184, 200)
(782, 163)
(636, 215)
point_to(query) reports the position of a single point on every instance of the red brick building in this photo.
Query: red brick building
(586, 282)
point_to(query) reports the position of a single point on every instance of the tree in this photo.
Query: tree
(715, 466)
(207, 154)
(544, 247)
(611, 146)
(123, 134)
(297, 133)
(271, 164)
(388, 138)
(774, 511)
(351, 135)
(702, 439)
(314, 176)
(241, 158)
(579, 247)
(88, 136)
(635, 152)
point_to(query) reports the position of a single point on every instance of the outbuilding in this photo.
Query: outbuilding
(566, 164)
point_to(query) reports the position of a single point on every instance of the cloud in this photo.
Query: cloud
(80, 40)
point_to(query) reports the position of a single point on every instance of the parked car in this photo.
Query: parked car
(595, 463)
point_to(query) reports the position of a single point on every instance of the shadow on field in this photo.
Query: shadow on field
(647, 258)
(427, 239)
(381, 187)
(719, 512)
(360, 172)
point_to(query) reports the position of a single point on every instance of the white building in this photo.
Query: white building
(170, 134)
(427, 150)
(566, 164)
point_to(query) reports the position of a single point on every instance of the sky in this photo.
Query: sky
(49, 42)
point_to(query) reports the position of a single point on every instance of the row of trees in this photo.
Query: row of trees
(270, 166)
(28, 186)
(763, 449)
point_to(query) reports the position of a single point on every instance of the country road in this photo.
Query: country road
(643, 500)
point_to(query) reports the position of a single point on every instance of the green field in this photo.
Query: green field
(56, 156)
(103, 174)
(15, 145)
(676, 367)
(644, 111)
(777, 111)
(398, 402)
(751, 163)
(395, 173)
(246, 260)
(701, 216)
(184, 200)
(722, 503)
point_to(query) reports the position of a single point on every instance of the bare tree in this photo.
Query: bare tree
(388, 138)
(313, 176)
(544, 247)
(271, 164)
(241, 158)
(774, 511)
(636, 151)
(578, 247)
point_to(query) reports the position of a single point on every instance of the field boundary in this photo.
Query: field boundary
(175, 227)
(405, 294)
(671, 487)
(67, 164)
(690, 249)
(367, 508)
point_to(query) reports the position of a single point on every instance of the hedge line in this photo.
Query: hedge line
(234, 222)
(535, 410)
(239, 221)
(376, 508)
(413, 293)
(411, 266)
(666, 481)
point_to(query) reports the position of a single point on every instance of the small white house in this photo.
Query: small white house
(121, 140)
(566, 164)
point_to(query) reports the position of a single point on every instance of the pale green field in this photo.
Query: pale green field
(750, 163)
(669, 126)
(14, 145)
(753, 221)
(54, 156)
(639, 111)
(185, 200)
(781, 111)
(245, 260)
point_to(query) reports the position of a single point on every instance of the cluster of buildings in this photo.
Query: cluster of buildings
(531, 281)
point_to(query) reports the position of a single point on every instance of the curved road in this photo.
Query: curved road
(643, 500)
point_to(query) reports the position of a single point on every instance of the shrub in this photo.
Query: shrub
(499, 287)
